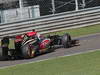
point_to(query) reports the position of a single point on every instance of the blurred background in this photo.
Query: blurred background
(13, 10)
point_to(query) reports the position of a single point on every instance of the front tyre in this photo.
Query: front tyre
(66, 40)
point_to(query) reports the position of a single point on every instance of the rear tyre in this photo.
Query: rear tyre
(66, 40)
(4, 48)
(28, 51)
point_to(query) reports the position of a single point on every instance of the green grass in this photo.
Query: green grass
(82, 64)
(80, 31)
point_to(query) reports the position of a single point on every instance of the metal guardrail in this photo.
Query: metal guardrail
(52, 23)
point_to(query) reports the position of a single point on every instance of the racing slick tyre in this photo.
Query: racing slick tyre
(66, 40)
(4, 47)
(28, 51)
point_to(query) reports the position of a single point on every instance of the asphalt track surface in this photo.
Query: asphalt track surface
(87, 43)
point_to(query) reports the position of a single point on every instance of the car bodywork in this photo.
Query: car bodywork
(28, 47)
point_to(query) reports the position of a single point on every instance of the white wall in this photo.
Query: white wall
(12, 15)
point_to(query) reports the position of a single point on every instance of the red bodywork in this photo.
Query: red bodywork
(18, 38)
(31, 34)
(44, 43)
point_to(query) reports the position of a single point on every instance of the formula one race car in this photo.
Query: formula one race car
(28, 47)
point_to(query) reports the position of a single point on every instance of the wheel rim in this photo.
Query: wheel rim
(31, 51)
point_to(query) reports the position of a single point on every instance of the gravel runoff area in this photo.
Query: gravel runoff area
(87, 43)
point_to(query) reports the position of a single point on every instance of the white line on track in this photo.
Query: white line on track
(51, 58)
